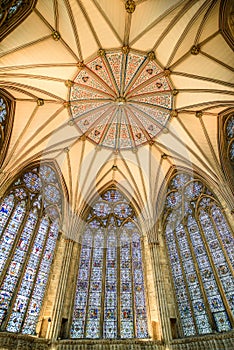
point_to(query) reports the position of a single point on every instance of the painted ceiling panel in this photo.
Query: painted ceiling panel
(60, 67)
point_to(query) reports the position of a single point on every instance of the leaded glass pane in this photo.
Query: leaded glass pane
(229, 138)
(110, 297)
(200, 247)
(29, 239)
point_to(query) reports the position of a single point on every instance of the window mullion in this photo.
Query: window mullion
(72, 304)
(103, 296)
(209, 255)
(10, 216)
(214, 270)
(209, 314)
(118, 286)
(220, 242)
(36, 273)
(16, 241)
(185, 281)
(24, 264)
(132, 292)
(89, 283)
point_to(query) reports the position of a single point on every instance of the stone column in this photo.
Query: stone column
(155, 248)
(62, 285)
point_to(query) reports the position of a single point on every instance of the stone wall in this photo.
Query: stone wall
(9, 341)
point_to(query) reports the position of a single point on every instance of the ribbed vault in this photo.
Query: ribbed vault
(41, 58)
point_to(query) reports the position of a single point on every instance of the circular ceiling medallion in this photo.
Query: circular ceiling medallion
(121, 99)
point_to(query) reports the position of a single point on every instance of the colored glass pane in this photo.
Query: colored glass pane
(229, 138)
(200, 247)
(110, 296)
(28, 238)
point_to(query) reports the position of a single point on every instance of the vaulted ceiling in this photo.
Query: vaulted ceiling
(56, 53)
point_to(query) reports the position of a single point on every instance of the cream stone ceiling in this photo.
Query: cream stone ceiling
(41, 58)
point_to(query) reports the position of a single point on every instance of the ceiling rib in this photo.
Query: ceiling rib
(218, 165)
(209, 103)
(59, 38)
(204, 20)
(79, 172)
(217, 61)
(24, 86)
(159, 19)
(74, 28)
(107, 21)
(182, 58)
(186, 30)
(199, 77)
(56, 15)
(89, 23)
(24, 46)
(187, 6)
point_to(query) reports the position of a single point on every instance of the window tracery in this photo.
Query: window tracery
(12, 13)
(29, 221)
(229, 137)
(200, 249)
(6, 118)
(110, 296)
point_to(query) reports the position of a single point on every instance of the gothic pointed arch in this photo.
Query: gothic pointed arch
(200, 244)
(12, 13)
(30, 217)
(226, 21)
(110, 300)
(7, 110)
(226, 144)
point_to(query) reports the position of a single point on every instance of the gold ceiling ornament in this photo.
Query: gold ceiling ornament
(80, 64)
(151, 55)
(125, 49)
(195, 49)
(167, 72)
(101, 52)
(40, 102)
(66, 150)
(69, 83)
(66, 104)
(199, 114)
(71, 122)
(175, 92)
(83, 137)
(164, 156)
(55, 35)
(174, 113)
(130, 6)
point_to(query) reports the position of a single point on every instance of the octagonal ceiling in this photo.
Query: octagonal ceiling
(92, 73)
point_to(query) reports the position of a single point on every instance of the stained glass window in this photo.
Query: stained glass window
(29, 224)
(6, 117)
(229, 136)
(110, 296)
(201, 250)
(12, 12)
